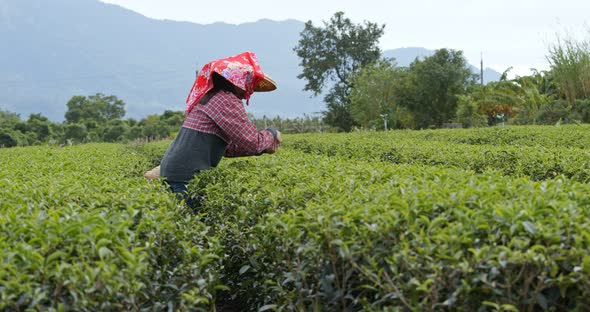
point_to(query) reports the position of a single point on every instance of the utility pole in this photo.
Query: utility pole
(384, 116)
(481, 69)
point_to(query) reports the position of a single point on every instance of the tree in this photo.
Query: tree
(10, 138)
(153, 127)
(8, 119)
(116, 130)
(174, 119)
(95, 110)
(57, 132)
(434, 85)
(131, 122)
(469, 113)
(523, 97)
(497, 98)
(40, 126)
(374, 98)
(536, 92)
(75, 131)
(330, 56)
(36, 129)
(135, 132)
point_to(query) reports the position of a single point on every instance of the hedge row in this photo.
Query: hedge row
(310, 232)
(570, 136)
(535, 162)
(82, 230)
(363, 221)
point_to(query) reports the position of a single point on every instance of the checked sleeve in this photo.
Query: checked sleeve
(240, 133)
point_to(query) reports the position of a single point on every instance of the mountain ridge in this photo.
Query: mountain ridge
(64, 48)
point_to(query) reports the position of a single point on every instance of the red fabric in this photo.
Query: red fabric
(224, 115)
(242, 70)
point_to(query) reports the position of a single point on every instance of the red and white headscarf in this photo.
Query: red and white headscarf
(242, 70)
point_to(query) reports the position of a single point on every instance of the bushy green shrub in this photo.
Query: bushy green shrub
(520, 153)
(83, 231)
(458, 219)
(308, 232)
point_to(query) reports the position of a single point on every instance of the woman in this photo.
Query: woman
(216, 124)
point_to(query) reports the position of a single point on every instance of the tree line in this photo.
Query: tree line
(95, 118)
(342, 60)
(100, 118)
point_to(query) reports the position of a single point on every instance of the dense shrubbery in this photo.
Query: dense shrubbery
(330, 223)
(83, 231)
(336, 234)
(536, 152)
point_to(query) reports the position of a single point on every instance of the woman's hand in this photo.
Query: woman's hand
(275, 145)
(278, 139)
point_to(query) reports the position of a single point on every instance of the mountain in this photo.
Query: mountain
(52, 50)
(55, 49)
(405, 56)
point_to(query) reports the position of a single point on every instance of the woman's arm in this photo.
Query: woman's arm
(243, 137)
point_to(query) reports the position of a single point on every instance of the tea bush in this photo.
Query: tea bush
(577, 136)
(308, 232)
(536, 161)
(83, 231)
(491, 219)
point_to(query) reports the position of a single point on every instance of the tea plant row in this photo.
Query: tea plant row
(536, 162)
(423, 220)
(312, 232)
(83, 231)
(570, 136)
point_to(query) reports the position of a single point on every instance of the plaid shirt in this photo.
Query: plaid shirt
(224, 116)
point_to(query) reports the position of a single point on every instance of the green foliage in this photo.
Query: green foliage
(339, 233)
(154, 127)
(39, 125)
(8, 119)
(333, 53)
(116, 130)
(83, 231)
(434, 85)
(15, 132)
(409, 220)
(537, 153)
(173, 118)
(94, 113)
(583, 107)
(6, 139)
(75, 131)
(422, 96)
(374, 98)
(570, 63)
(469, 114)
(94, 110)
(92, 126)
(499, 100)
(524, 100)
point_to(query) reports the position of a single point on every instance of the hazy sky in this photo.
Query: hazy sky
(507, 32)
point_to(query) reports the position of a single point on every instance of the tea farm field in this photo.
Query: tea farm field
(492, 219)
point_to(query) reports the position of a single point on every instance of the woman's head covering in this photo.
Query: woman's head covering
(242, 70)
